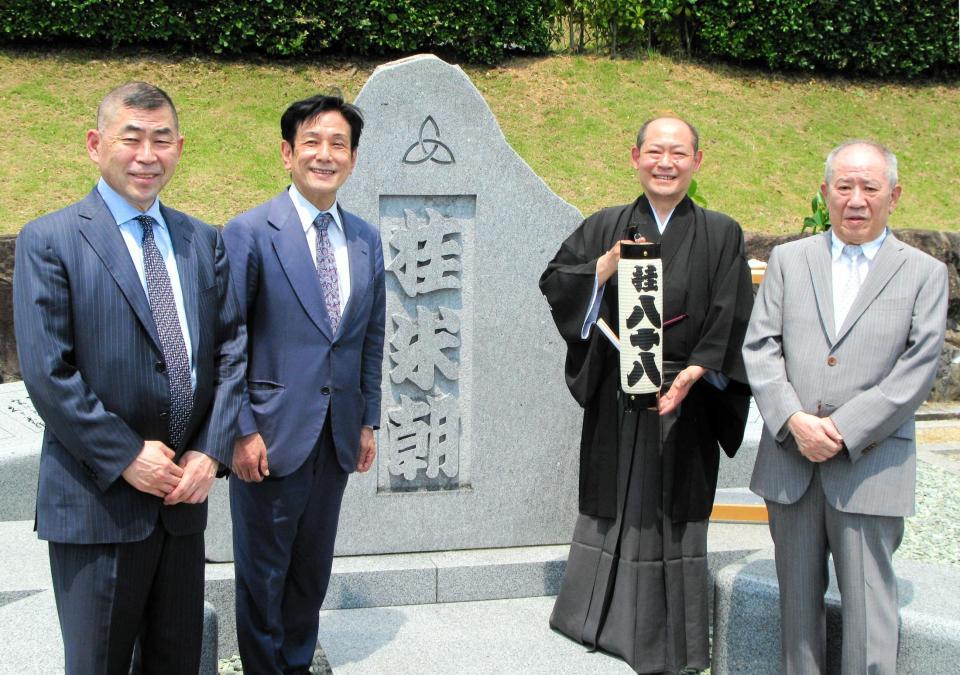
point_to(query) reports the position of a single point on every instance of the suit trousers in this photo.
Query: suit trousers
(284, 530)
(804, 534)
(111, 596)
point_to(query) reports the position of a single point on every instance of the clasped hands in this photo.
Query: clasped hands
(185, 482)
(818, 438)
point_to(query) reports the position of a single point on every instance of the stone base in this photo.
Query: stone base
(746, 628)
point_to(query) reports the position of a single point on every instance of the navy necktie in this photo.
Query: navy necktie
(164, 309)
(327, 269)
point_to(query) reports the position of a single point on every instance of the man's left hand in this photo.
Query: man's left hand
(368, 450)
(679, 389)
(199, 472)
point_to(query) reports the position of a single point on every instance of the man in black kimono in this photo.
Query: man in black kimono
(636, 579)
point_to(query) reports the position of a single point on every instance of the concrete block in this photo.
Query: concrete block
(378, 581)
(500, 573)
(746, 631)
(21, 434)
(208, 653)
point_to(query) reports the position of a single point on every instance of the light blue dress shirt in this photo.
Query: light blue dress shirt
(124, 213)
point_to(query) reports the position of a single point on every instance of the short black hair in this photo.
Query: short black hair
(642, 134)
(301, 111)
(136, 96)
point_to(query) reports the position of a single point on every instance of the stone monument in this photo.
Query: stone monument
(478, 444)
(479, 438)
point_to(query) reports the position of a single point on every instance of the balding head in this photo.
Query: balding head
(136, 96)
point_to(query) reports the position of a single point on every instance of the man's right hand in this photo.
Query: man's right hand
(817, 437)
(250, 458)
(153, 471)
(607, 263)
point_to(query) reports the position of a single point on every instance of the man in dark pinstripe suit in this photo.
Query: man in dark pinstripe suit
(132, 351)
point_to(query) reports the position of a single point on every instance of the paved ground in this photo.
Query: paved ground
(499, 636)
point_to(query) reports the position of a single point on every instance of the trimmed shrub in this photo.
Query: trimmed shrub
(868, 37)
(482, 31)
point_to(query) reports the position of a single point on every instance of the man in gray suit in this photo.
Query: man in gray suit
(841, 349)
(133, 353)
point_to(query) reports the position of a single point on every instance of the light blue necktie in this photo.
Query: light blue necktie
(851, 259)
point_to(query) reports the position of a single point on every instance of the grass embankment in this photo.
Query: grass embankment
(572, 119)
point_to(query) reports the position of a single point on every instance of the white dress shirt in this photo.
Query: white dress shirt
(338, 239)
(124, 213)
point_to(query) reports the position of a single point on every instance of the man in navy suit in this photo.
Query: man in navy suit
(133, 353)
(311, 283)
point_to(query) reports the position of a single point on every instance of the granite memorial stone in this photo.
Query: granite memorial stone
(478, 442)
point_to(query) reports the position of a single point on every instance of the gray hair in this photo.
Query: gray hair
(136, 96)
(889, 158)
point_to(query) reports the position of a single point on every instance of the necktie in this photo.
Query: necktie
(164, 312)
(327, 269)
(851, 258)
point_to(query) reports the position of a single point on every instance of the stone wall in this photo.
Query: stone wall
(944, 246)
(9, 366)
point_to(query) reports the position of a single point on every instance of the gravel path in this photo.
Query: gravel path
(933, 534)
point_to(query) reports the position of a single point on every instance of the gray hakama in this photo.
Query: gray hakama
(636, 586)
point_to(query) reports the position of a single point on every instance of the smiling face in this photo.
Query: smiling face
(320, 160)
(859, 195)
(666, 161)
(137, 152)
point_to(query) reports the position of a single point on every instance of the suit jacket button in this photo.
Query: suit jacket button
(164, 414)
(160, 366)
(832, 361)
(325, 391)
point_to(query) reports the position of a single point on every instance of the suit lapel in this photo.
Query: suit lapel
(359, 257)
(100, 230)
(290, 243)
(889, 259)
(821, 276)
(181, 236)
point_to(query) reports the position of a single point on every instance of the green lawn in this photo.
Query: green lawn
(572, 118)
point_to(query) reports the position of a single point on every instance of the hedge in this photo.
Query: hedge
(483, 31)
(866, 37)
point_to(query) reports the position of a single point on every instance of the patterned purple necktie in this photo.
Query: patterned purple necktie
(327, 269)
(164, 310)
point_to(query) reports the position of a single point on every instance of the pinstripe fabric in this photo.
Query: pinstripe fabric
(101, 587)
(868, 374)
(883, 357)
(89, 355)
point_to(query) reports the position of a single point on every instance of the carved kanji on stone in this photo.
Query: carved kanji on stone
(417, 346)
(428, 258)
(424, 435)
